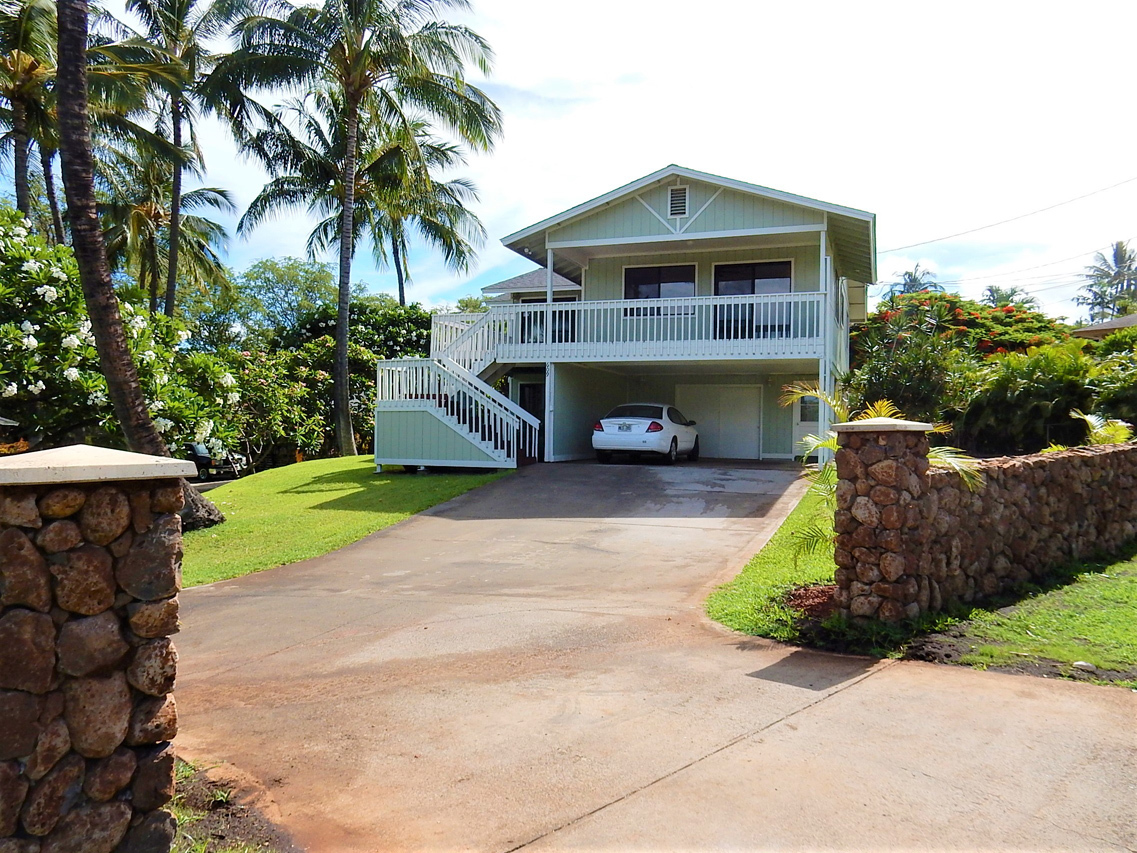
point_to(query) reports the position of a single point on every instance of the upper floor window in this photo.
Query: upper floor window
(659, 282)
(747, 279)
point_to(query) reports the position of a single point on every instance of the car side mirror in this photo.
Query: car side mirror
(690, 423)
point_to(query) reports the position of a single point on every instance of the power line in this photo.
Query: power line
(1012, 219)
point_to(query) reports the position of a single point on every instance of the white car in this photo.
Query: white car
(645, 428)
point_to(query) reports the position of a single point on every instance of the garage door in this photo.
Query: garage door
(729, 418)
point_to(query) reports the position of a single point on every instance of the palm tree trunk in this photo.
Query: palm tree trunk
(175, 209)
(46, 156)
(398, 261)
(91, 253)
(152, 256)
(341, 391)
(20, 138)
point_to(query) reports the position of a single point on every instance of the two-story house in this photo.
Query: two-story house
(681, 287)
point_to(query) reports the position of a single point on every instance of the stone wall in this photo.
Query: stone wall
(911, 539)
(89, 575)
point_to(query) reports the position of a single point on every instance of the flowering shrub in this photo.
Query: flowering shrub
(50, 379)
(378, 324)
(971, 326)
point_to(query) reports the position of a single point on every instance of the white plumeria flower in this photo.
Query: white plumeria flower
(84, 327)
(96, 398)
(233, 398)
(183, 336)
(71, 374)
(9, 390)
(157, 406)
(30, 342)
(161, 378)
(48, 293)
(227, 380)
(148, 356)
(36, 388)
(58, 274)
(19, 232)
(136, 323)
(162, 424)
(70, 342)
(204, 428)
(27, 328)
(32, 266)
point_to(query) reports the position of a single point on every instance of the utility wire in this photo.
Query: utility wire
(1012, 219)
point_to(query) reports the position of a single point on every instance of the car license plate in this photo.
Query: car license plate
(625, 427)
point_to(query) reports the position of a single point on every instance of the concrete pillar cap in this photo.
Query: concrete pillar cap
(882, 425)
(81, 463)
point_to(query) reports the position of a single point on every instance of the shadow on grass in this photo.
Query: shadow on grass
(884, 639)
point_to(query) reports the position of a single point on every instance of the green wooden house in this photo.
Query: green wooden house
(681, 287)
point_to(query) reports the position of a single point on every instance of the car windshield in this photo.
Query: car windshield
(636, 411)
(200, 450)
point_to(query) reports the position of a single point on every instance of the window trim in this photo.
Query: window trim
(793, 271)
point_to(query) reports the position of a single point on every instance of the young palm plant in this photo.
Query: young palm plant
(390, 58)
(1099, 431)
(818, 534)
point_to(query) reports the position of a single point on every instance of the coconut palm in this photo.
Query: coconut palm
(27, 65)
(1111, 283)
(181, 32)
(90, 252)
(137, 219)
(399, 56)
(915, 280)
(997, 297)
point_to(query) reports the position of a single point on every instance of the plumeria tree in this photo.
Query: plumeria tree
(51, 382)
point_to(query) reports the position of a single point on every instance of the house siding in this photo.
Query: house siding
(605, 278)
(410, 436)
(730, 210)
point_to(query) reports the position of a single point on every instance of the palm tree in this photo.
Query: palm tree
(90, 252)
(915, 280)
(394, 191)
(27, 65)
(997, 297)
(1111, 283)
(181, 31)
(137, 218)
(396, 55)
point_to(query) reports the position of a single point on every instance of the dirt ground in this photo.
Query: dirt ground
(219, 810)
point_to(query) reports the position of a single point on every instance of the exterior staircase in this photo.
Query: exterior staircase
(453, 387)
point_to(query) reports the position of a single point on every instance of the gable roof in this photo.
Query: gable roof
(852, 231)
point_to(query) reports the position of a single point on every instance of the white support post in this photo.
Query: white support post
(825, 368)
(550, 390)
(548, 296)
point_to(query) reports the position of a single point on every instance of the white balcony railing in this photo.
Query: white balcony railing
(784, 325)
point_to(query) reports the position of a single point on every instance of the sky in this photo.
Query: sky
(939, 118)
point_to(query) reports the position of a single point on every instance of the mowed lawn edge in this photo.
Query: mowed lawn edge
(308, 509)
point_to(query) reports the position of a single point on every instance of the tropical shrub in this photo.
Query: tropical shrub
(1115, 386)
(1120, 342)
(378, 324)
(1024, 400)
(913, 358)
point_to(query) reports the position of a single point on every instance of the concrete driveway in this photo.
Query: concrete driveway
(528, 666)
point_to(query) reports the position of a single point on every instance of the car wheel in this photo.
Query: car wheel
(603, 456)
(672, 453)
(203, 474)
(693, 456)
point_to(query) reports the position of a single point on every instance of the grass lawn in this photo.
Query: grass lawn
(754, 601)
(1086, 612)
(308, 509)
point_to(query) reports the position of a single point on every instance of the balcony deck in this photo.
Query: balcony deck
(784, 325)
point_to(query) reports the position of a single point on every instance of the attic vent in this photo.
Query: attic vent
(677, 201)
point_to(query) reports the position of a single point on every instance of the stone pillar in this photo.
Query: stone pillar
(882, 467)
(90, 568)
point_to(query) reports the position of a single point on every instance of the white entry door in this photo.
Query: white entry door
(728, 418)
(806, 413)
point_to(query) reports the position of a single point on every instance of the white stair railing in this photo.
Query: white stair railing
(488, 419)
(446, 328)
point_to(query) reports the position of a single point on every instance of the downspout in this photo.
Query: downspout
(825, 374)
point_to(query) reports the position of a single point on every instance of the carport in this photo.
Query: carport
(735, 403)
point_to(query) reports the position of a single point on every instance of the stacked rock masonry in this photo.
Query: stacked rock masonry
(911, 539)
(89, 576)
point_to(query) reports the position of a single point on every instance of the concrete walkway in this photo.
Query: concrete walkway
(528, 667)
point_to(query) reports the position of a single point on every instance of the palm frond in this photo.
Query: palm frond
(967, 467)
